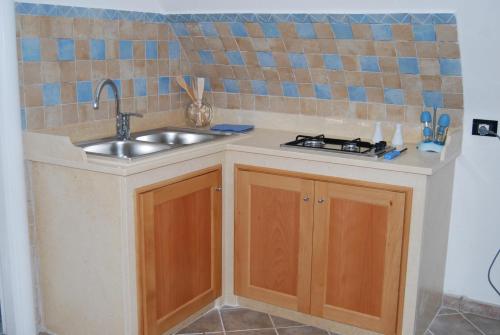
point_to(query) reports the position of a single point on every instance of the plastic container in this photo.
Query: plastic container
(442, 129)
(377, 133)
(427, 127)
(397, 139)
(427, 135)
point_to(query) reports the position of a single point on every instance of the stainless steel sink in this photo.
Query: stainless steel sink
(124, 149)
(177, 138)
(150, 142)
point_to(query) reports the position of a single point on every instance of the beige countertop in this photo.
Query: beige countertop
(58, 149)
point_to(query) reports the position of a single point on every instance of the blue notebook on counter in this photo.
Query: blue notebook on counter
(234, 128)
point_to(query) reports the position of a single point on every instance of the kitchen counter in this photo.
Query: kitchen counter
(84, 208)
(58, 149)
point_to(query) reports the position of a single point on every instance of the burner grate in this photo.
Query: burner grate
(321, 143)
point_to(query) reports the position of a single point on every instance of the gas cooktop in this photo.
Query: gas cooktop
(352, 147)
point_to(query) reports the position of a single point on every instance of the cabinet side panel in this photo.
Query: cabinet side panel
(274, 238)
(79, 250)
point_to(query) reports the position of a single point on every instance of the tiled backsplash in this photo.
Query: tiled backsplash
(62, 57)
(384, 67)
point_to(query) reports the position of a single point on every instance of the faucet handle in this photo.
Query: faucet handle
(133, 114)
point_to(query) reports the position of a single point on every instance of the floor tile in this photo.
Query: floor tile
(282, 322)
(487, 325)
(253, 332)
(209, 322)
(305, 330)
(452, 324)
(447, 311)
(243, 319)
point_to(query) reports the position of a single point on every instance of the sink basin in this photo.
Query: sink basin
(175, 138)
(150, 142)
(124, 149)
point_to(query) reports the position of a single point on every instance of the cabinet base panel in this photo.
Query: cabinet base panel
(303, 318)
(193, 317)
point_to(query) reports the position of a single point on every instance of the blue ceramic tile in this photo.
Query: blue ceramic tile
(234, 58)
(332, 61)
(259, 87)
(403, 18)
(180, 29)
(301, 18)
(266, 59)
(382, 32)
(97, 49)
(305, 30)
(164, 85)
(111, 93)
(126, 50)
(319, 17)
(83, 91)
(424, 32)
(206, 57)
(65, 49)
(357, 93)
(450, 67)
(394, 96)
(342, 31)
(187, 79)
(369, 63)
(231, 85)
(30, 47)
(24, 122)
(207, 85)
(174, 50)
(290, 89)
(151, 49)
(140, 87)
(424, 18)
(238, 29)
(408, 65)
(51, 94)
(322, 91)
(208, 29)
(298, 61)
(270, 30)
(433, 99)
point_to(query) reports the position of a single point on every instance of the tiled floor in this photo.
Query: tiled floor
(242, 321)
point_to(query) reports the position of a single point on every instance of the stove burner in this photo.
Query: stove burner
(350, 146)
(325, 144)
(314, 143)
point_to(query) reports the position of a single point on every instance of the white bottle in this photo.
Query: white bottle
(377, 133)
(397, 139)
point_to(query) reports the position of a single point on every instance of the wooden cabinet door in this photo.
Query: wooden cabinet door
(357, 249)
(273, 239)
(179, 249)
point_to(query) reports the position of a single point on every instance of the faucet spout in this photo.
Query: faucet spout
(122, 120)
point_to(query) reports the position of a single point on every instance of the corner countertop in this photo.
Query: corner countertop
(58, 150)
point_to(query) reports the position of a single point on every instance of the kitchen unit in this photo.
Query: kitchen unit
(305, 225)
(321, 246)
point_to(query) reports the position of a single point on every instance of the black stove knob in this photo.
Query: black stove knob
(379, 146)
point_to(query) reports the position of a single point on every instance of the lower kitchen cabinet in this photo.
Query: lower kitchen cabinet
(179, 248)
(328, 247)
(357, 247)
(273, 235)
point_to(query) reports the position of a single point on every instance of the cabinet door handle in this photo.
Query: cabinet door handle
(321, 200)
(218, 189)
(306, 198)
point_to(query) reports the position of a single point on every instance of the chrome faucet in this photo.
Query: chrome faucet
(122, 119)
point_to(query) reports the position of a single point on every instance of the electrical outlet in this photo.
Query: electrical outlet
(491, 125)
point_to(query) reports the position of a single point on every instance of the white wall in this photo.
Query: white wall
(475, 229)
